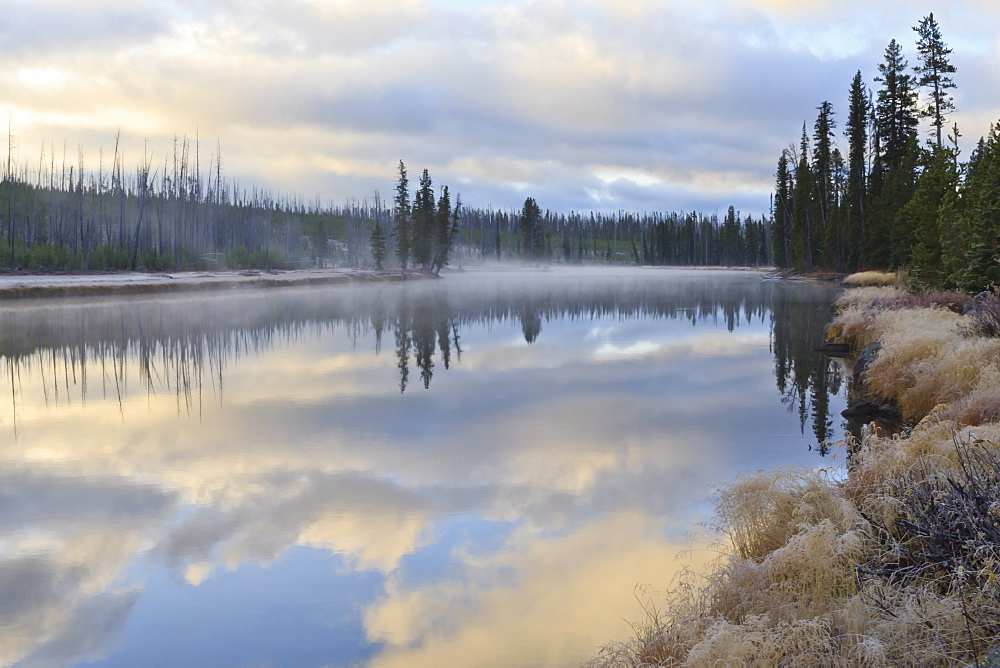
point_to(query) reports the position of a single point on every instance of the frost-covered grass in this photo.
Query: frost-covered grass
(894, 562)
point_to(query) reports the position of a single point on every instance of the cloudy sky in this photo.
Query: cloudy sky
(582, 104)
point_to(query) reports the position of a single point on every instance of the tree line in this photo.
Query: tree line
(183, 212)
(892, 201)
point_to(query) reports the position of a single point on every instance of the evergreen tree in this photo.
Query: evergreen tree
(976, 263)
(730, 238)
(401, 227)
(423, 216)
(800, 243)
(921, 216)
(895, 161)
(824, 182)
(445, 229)
(933, 73)
(781, 216)
(896, 108)
(856, 130)
(377, 245)
(530, 225)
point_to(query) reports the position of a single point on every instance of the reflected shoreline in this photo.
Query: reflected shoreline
(180, 345)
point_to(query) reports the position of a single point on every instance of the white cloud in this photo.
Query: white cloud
(529, 589)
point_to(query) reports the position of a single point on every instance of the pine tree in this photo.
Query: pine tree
(922, 216)
(445, 229)
(933, 73)
(976, 263)
(423, 222)
(781, 217)
(896, 109)
(823, 180)
(894, 168)
(835, 243)
(856, 193)
(800, 246)
(401, 231)
(530, 225)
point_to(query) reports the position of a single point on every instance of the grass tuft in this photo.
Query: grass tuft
(875, 278)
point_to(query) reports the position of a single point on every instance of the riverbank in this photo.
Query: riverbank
(20, 285)
(30, 285)
(892, 558)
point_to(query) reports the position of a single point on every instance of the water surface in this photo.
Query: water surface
(471, 471)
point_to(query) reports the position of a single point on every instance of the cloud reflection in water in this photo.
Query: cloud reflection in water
(150, 436)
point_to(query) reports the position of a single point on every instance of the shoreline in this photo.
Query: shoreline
(41, 285)
(892, 558)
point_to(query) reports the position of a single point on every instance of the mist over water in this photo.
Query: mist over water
(386, 474)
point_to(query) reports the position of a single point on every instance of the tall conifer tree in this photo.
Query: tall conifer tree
(894, 166)
(781, 218)
(401, 217)
(377, 244)
(823, 179)
(924, 214)
(423, 222)
(530, 224)
(445, 228)
(977, 228)
(800, 246)
(856, 130)
(934, 72)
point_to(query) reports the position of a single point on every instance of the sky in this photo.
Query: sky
(604, 105)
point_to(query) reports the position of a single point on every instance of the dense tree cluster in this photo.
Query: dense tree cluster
(893, 202)
(671, 238)
(424, 231)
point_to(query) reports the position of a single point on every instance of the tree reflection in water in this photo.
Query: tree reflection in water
(183, 346)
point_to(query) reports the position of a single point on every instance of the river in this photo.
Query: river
(471, 471)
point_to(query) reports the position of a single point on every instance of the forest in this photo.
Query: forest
(60, 214)
(893, 201)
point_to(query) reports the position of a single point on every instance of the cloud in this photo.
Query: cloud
(530, 589)
(496, 99)
(61, 601)
(55, 30)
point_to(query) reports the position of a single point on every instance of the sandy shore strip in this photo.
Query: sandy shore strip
(15, 286)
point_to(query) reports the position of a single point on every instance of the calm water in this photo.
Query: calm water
(471, 471)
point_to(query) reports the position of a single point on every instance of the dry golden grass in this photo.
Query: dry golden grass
(870, 278)
(852, 324)
(926, 360)
(897, 564)
(760, 512)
